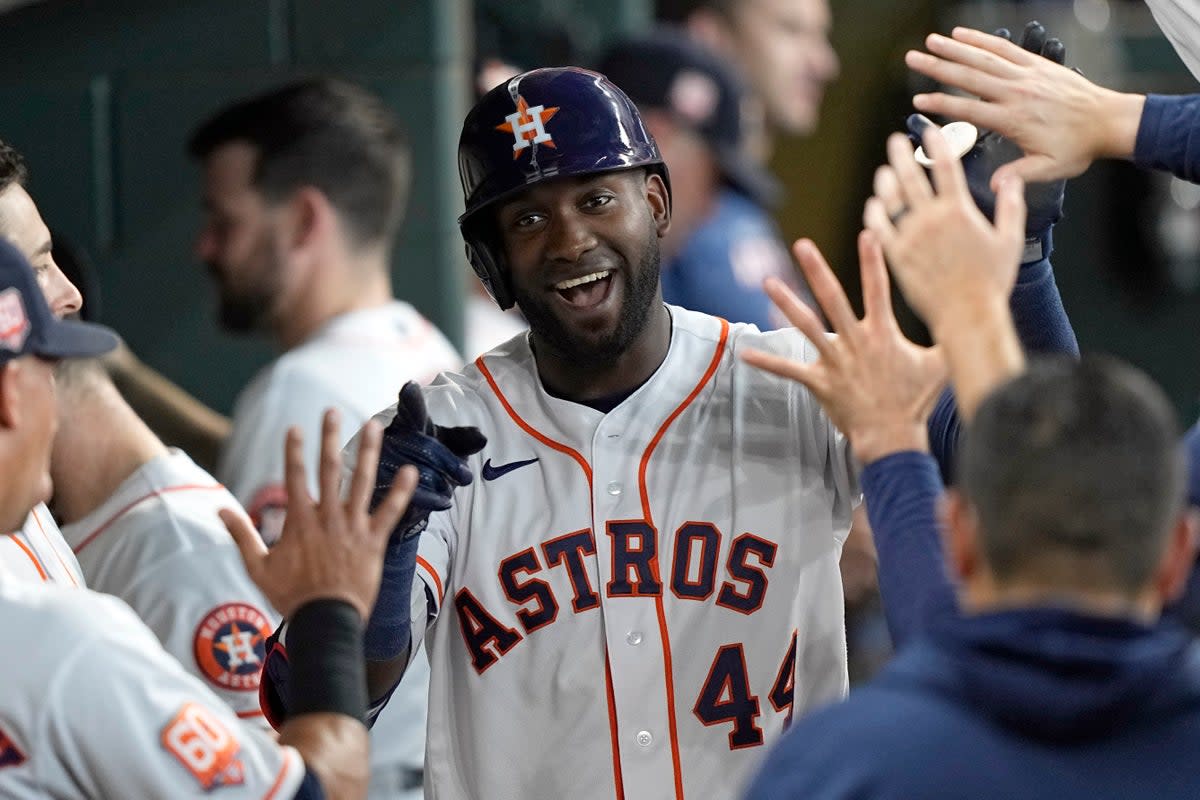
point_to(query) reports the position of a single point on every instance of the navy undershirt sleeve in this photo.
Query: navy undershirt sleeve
(902, 491)
(1168, 136)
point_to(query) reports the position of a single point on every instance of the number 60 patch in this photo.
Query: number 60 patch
(204, 746)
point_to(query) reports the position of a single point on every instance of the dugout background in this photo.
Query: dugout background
(100, 95)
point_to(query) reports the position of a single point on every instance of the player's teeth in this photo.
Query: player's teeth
(595, 276)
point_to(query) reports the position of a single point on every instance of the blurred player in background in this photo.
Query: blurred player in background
(780, 47)
(722, 243)
(304, 190)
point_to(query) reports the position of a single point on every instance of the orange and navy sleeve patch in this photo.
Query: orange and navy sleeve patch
(230, 646)
(205, 747)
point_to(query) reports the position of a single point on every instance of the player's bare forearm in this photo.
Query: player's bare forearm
(878, 441)
(335, 748)
(981, 348)
(382, 676)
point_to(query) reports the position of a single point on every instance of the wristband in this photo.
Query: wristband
(324, 642)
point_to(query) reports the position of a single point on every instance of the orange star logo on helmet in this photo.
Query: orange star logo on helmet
(528, 126)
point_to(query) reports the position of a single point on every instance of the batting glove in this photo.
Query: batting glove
(991, 151)
(439, 454)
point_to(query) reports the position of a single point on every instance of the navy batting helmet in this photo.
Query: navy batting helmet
(543, 124)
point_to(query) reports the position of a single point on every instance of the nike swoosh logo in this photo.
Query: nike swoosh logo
(490, 473)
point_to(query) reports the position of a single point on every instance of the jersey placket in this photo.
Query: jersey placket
(632, 629)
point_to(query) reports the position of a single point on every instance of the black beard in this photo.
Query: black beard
(592, 353)
(242, 315)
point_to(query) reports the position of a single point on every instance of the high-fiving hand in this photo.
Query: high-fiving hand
(330, 548)
(876, 386)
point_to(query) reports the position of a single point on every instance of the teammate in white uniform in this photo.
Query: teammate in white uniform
(166, 554)
(356, 363)
(1180, 21)
(37, 551)
(640, 587)
(143, 522)
(93, 707)
(305, 188)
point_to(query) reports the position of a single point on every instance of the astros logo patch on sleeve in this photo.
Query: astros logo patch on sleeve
(230, 646)
(10, 754)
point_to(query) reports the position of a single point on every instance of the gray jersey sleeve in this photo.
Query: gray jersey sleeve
(120, 718)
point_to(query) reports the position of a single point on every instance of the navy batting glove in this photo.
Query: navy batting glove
(439, 454)
(1044, 201)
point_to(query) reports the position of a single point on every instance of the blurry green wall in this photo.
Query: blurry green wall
(101, 94)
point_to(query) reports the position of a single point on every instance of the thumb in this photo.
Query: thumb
(1030, 169)
(916, 125)
(248, 542)
(1010, 208)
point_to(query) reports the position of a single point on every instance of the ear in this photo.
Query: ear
(660, 202)
(308, 218)
(10, 394)
(1179, 557)
(960, 536)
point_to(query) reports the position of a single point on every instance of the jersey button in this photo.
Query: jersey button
(614, 489)
(644, 738)
(634, 638)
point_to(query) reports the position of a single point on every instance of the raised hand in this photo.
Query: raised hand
(330, 548)
(876, 386)
(942, 249)
(1061, 120)
(955, 268)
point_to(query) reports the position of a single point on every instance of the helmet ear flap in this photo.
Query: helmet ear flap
(487, 268)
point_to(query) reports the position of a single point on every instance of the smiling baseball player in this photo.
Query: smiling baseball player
(643, 574)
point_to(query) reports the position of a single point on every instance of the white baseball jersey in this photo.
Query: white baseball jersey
(632, 604)
(158, 544)
(356, 363)
(37, 552)
(94, 707)
(1180, 21)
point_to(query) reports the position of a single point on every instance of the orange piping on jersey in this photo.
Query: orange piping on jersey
(587, 471)
(658, 603)
(108, 523)
(70, 572)
(250, 714)
(612, 728)
(15, 539)
(437, 582)
(288, 755)
(525, 426)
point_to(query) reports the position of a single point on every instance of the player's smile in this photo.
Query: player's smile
(593, 297)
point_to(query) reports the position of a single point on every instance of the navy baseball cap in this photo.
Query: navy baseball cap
(667, 70)
(27, 327)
